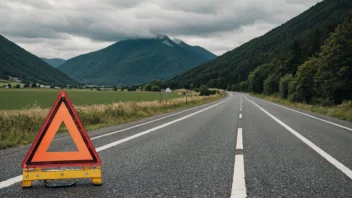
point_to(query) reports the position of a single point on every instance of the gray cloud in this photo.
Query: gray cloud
(68, 28)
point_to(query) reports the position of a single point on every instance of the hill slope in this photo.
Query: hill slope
(17, 62)
(55, 62)
(286, 47)
(136, 61)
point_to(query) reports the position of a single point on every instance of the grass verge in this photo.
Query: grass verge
(20, 127)
(342, 111)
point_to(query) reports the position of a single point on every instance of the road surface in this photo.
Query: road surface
(240, 146)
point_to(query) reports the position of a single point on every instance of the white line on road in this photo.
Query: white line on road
(17, 179)
(239, 144)
(238, 189)
(328, 157)
(144, 123)
(10, 182)
(240, 115)
(332, 123)
(156, 128)
(241, 104)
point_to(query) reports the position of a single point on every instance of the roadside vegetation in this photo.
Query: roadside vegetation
(321, 83)
(20, 127)
(324, 79)
(342, 111)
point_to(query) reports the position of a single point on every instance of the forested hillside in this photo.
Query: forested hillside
(17, 62)
(307, 58)
(136, 61)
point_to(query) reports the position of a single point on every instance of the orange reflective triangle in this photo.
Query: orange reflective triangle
(39, 156)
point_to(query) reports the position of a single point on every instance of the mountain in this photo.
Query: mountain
(136, 61)
(17, 62)
(284, 48)
(55, 62)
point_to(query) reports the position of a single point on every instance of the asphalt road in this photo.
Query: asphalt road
(240, 146)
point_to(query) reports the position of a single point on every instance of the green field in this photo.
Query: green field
(6, 82)
(26, 98)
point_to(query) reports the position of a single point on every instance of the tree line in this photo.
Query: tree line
(324, 78)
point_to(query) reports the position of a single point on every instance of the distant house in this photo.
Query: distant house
(47, 86)
(14, 79)
(41, 86)
(168, 90)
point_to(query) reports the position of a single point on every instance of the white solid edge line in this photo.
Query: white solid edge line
(238, 189)
(332, 123)
(144, 123)
(10, 182)
(239, 144)
(325, 155)
(16, 179)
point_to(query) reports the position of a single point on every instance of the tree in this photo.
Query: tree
(156, 83)
(34, 85)
(283, 85)
(9, 85)
(243, 86)
(147, 87)
(204, 91)
(271, 84)
(305, 86)
(234, 87)
(155, 88)
(26, 85)
(115, 88)
(18, 86)
(334, 74)
(256, 78)
(228, 87)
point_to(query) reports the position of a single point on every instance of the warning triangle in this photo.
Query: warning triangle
(61, 112)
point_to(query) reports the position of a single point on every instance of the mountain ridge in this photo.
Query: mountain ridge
(135, 61)
(55, 62)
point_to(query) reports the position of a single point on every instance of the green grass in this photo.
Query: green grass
(21, 126)
(343, 111)
(44, 98)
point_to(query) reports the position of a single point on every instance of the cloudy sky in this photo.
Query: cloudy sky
(67, 28)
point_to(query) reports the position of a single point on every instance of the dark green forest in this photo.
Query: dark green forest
(308, 59)
(17, 62)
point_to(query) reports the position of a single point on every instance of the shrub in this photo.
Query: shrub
(322, 101)
(155, 88)
(147, 87)
(204, 91)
